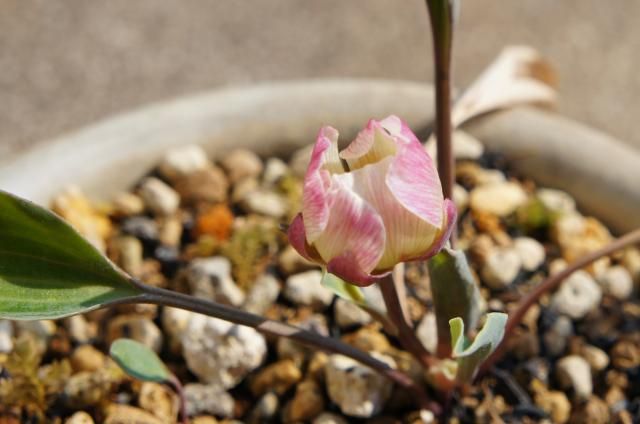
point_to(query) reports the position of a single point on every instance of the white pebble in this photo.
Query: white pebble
(617, 282)
(577, 295)
(531, 252)
(500, 268)
(184, 160)
(500, 199)
(306, 289)
(159, 197)
(574, 372)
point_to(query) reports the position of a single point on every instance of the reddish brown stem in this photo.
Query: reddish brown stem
(551, 283)
(399, 317)
(177, 387)
(441, 17)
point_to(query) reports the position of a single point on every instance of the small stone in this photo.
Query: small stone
(348, 314)
(267, 203)
(182, 161)
(625, 355)
(220, 352)
(470, 174)
(556, 404)
(216, 222)
(171, 231)
(264, 292)
(306, 289)
(631, 261)
(501, 267)
(80, 330)
(307, 403)
(43, 330)
(125, 414)
(617, 282)
(242, 163)
(369, 339)
(290, 261)
(159, 400)
(76, 209)
(128, 253)
(6, 336)
(159, 197)
(79, 417)
(88, 388)
(278, 377)
(87, 358)
(206, 419)
(127, 204)
(500, 199)
(274, 170)
(578, 236)
(577, 295)
(597, 358)
(556, 201)
(574, 372)
(265, 409)
(208, 399)
(142, 228)
(555, 339)
(460, 198)
(427, 332)
(210, 278)
(593, 411)
(329, 418)
(531, 252)
(135, 327)
(174, 323)
(208, 185)
(243, 189)
(356, 389)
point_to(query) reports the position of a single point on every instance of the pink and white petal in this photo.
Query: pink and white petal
(298, 239)
(324, 160)
(407, 235)
(371, 145)
(413, 180)
(346, 268)
(354, 226)
(451, 215)
(398, 128)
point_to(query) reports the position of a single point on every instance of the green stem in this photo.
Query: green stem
(551, 283)
(159, 296)
(441, 15)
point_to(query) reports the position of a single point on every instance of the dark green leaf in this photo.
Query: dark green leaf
(454, 290)
(469, 358)
(47, 270)
(139, 361)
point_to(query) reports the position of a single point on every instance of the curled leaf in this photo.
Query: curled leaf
(471, 356)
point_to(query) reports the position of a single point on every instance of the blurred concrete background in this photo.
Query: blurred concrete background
(65, 64)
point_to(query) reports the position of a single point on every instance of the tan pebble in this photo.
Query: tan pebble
(171, 231)
(242, 163)
(597, 358)
(128, 254)
(139, 328)
(87, 358)
(555, 404)
(159, 400)
(158, 197)
(593, 411)
(278, 377)
(127, 204)
(209, 185)
(79, 417)
(183, 160)
(500, 199)
(204, 419)
(307, 403)
(124, 414)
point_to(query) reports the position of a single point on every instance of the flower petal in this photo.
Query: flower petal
(346, 268)
(354, 228)
(451, 215)
(371, 145)
(298, 240)
(407, 235)
(324, 161)
(414, 181)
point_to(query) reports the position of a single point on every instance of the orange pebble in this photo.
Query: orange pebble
(215, 222)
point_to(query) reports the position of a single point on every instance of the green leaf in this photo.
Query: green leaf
(470, 357)
(47, 270)
(343, 289)
(139, 361)
(454, 291)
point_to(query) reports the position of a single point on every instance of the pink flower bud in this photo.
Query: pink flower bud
(375, 204)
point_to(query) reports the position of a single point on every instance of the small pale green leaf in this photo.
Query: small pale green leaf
(343, 289)
(470, 357)
(139, 361)
(454, 291)
(47, 270)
